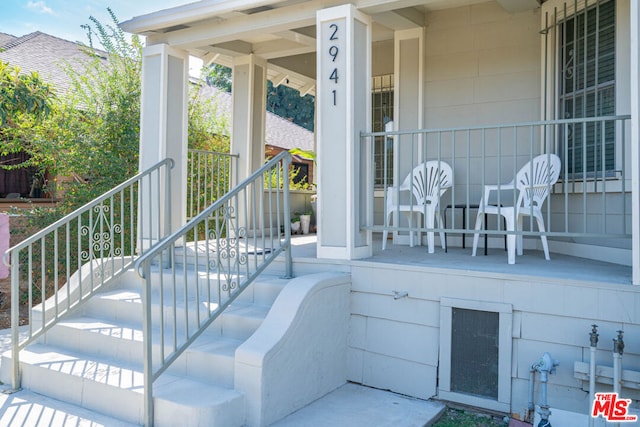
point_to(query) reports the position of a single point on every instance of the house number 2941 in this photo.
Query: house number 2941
(333, 53)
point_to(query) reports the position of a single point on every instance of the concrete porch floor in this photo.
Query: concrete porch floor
(531, 263)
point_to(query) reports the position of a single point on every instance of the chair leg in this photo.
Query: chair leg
(545, 246)
(511, 250)
(511, 242)
(385, 232)
(430, 237)
(443, 235)
(479, 220)
(519, 242)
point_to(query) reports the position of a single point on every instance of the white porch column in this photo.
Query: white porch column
(248, 120)
(408, 108)
(249, 113)
(343, 98)
(163, 134)
(635, 140)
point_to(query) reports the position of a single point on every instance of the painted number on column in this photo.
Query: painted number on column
(333, 54)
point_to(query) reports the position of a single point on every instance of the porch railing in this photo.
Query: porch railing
(228, 245)
(209, 176)
(590, 199)
(82, 251)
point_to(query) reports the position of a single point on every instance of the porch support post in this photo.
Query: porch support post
(635, 140)
(163, 134)
(408, 109)
(343, 99)
(248, 121)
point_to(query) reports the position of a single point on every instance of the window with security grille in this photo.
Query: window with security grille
(474, 352)
(586, 85)
(382, 113)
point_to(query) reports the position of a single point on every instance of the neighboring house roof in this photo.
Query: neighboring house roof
(279, 132)
(44, 54)
(5, 38)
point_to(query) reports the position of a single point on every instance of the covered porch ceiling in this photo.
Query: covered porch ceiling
(281, 31)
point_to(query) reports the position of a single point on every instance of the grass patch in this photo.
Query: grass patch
(462, 418)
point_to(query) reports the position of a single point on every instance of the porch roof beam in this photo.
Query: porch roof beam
(279, 48)
(233, 48)
(273, 21)
(185, 14)
(238, 25)
(372, 7)
(268, 50)
(279, 79)
(401, 19)
(297, 37)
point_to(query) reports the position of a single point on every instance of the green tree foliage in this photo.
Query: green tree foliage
(282, 100)
(92, 132)
(208, 124)
(287, 102)
(218, 76)
(103, 115)
(25, 101)
(99, 123)
(22, 94)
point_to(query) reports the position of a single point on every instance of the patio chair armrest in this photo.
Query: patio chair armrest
(494, 187)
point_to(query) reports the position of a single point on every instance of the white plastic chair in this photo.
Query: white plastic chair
(427, 182)
(533, 183)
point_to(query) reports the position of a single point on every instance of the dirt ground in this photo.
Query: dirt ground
(5, 306)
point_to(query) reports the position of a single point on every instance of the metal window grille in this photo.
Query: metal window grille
(382, 113)
(586, 87)
(474, 352)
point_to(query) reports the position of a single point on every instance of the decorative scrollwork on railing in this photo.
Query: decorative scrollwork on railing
(229, 284)
(100, 234)
(229, 253)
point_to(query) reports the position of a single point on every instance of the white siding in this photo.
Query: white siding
(394, 344)
(482, 66)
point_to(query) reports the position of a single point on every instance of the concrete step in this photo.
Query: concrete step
(107, 386)
(263, 290)
(210, 358)
(238, 321)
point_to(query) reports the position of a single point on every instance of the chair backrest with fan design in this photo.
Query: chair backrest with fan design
(534, 180)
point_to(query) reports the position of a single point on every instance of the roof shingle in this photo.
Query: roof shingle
(44, 54)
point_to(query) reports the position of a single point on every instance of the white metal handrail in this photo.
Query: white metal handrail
(582, 203)
(223, 249)
(63, 264)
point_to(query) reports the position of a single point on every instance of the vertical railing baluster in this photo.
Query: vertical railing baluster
(90, 243)
(43, 280)
(30, 289)
(148, 346)
(287, 220)
(68, 263)
(174, 295)
(15, 319)
(623, 176)
(160, 305)
(604, 178)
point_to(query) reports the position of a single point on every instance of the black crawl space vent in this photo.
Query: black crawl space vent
(474, 352)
